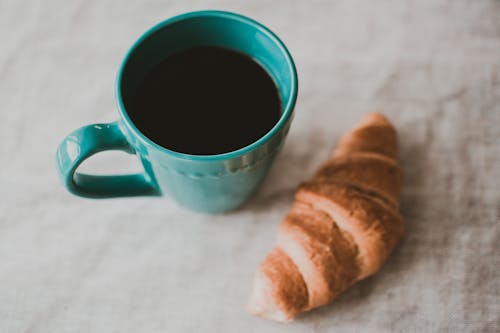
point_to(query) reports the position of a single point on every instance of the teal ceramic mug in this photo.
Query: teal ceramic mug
(208, 183)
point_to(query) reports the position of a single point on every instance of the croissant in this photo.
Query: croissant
(341, 228)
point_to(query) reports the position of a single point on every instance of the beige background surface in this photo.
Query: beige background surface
(144, 265)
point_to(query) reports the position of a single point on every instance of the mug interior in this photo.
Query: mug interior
(209, 28)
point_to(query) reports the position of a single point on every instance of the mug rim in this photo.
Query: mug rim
(287, 112)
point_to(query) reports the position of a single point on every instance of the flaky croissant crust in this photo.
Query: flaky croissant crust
(341, 228)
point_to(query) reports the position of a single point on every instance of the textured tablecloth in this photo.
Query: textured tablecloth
(144, 265)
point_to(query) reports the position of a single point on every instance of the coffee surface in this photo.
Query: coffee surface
(204, 101)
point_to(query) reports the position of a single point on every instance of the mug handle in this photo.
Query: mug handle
(87, 141)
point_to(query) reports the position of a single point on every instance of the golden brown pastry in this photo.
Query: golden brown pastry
(341, 228)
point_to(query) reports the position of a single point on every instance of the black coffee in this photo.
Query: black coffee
(206, 100)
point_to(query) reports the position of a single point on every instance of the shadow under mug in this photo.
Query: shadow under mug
(208, 183)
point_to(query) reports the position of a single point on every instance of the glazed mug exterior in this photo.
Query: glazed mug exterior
(207, 183)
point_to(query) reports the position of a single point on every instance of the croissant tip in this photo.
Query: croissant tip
(374, 118)
(261, 304)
